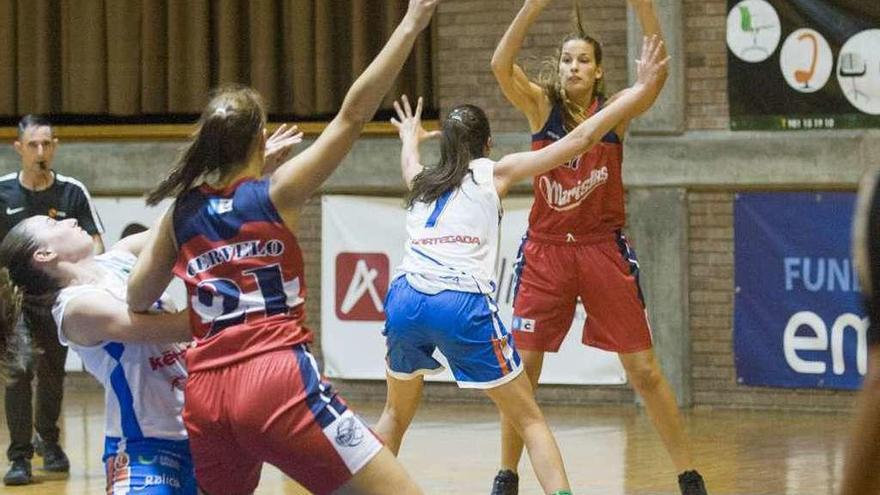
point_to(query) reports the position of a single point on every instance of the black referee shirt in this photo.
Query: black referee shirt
(65, 198)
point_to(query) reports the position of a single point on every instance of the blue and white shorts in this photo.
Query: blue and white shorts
(149, 466)
(465, 327)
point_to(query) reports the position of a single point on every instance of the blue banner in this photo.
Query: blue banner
(798, 319)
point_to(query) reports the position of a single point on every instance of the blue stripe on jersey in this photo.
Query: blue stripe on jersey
(611, 137)
(426, 256)
(439, 205)
(320, 397)
(554, 128)
(130, 426)
(195, 214)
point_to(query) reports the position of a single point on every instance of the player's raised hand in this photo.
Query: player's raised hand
(651, 66)
(409, 123)
(419, 12)
(279, 146)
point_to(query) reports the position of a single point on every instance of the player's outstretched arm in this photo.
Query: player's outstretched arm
(409, 127)
(647, 15)
(295, 181)
(92, 318)
(525, 95)
(153, 271)
(648, 21)
(518, 166)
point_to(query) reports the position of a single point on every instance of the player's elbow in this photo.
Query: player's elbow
(496, 64)
(356, 115)
(501, 67)
(357, 109)
(137, 306)
(136, 298)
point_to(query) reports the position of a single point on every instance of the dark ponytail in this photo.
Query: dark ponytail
(465, 134)
(549, 80)
(10, 309)
(227, 134)
(21, 283)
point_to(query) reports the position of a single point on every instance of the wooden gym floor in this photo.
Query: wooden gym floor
(453, 449)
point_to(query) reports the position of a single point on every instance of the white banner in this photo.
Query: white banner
(362, 240)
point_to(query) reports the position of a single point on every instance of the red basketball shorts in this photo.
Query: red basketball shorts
(272, 408)
(603, 274)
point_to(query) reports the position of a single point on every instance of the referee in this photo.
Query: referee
(34, 348)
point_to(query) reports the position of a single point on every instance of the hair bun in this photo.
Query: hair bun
(459, 115)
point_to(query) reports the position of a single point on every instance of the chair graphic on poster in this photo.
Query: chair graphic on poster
(852, 66)
(804, 76)
(747, 23)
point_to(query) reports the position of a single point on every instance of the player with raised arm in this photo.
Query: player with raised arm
(254, 393)
(442, 297)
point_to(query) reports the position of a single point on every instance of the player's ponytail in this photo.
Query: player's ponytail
(228, 133)
(21, 283)
(10, 308)
(465, 135)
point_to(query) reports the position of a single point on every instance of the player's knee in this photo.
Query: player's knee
(645, 378)
(524, 415)
(398, 420)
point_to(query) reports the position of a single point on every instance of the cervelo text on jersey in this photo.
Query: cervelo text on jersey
(233, 252)
(241, 267)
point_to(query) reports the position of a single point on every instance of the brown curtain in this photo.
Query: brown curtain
(147, 57)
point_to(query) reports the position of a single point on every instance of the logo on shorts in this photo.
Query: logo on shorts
(168, 461)
(161, 480)
(349, 432)
(361, 284)
(521, 324)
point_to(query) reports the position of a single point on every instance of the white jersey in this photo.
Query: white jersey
(453, 241)
(143, 383)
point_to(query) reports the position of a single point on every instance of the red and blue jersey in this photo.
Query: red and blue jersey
(584, 196)
(243, 271)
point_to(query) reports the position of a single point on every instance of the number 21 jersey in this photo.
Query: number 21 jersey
(243, 272)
